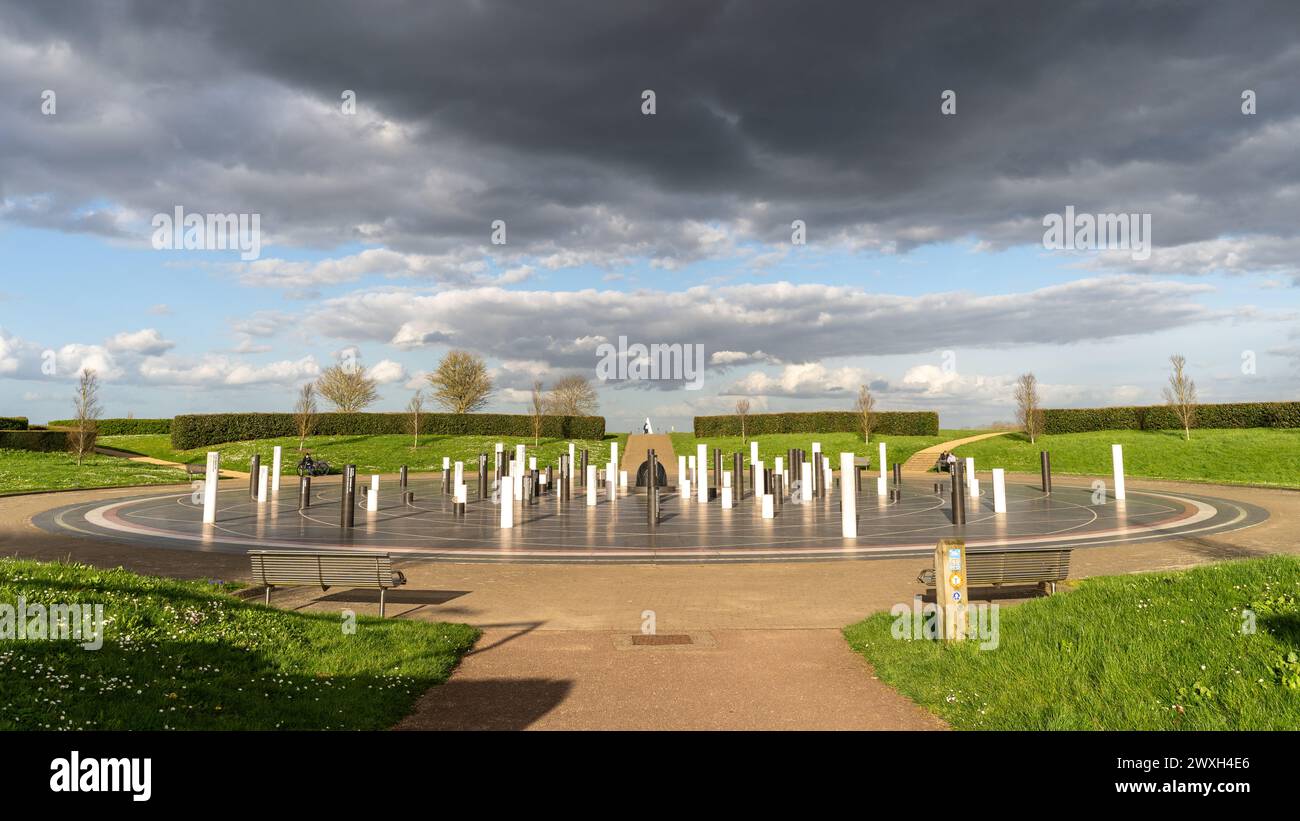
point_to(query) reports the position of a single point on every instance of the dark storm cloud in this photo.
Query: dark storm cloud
(767, 112)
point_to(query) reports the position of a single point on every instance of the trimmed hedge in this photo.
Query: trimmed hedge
(199, 430)
(896, 423)
(1162, 417)
(46, 441)
(122, 427)
(13, 423)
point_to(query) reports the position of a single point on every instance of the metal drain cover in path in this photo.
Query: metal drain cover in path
(656, 640)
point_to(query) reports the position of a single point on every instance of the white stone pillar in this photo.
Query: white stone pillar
(372, 500)
(611, 482)
(769, 506)
(682, 478)
(261, 484)
(848, 499)
(458, 475)
(702, 473)
(210, 477)
(753, 453)
(613, 452)
(726, 478)
(275, 469)
(817, 447)
(374, 482)
(883, 460)
(999, 490)
(507, 502)
(726, 498)
(591, 485)
(759, 489)
(805, 481)
(573, 481)
(519, 473)
(622, 480)
(1117, 464)
(881, 490)
(686, 490)
(532, 463)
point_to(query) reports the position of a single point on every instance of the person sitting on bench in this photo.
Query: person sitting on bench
(943, 462)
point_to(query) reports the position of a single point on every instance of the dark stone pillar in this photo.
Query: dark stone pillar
(349, 496)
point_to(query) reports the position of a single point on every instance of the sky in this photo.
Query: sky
(814, 196)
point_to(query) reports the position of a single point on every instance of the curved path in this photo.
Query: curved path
(765, 651)
(615, 530)
(924, 459)
(150, 460)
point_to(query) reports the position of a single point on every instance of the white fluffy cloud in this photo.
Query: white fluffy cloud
(214, 371)
(146, 342)
(386, 372)
(784, 322)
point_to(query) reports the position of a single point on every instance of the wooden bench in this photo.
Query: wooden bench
(196, 470)
(1044, 567)
(295, 568)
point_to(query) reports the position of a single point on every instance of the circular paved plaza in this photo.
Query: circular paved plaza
(617, 531)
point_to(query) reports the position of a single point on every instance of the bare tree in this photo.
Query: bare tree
(866, 409)
(1029, 410)
(742, 410)
(413, 410)
(304, 414)
(461, 382)
(1181, 395)
(573, 395)
(347, 387)
(85, 421)
(538, 412)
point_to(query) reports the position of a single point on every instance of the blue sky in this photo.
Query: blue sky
(924, 274)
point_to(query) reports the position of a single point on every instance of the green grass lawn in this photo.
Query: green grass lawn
(371, 454)
(1157, 651)
(770, 446)
(1259, 456)
(187, 655)
(25, 470)
(387, 453)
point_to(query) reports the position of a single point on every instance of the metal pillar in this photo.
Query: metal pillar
(304, 492)
(482, 476)
(958, 500)
(1045, 465)
(349, 496)
(254, 468)
(652, 489)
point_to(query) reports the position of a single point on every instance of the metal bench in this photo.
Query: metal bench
(294, 568)
(997, 567)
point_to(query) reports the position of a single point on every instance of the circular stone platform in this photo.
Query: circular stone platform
(617, 531)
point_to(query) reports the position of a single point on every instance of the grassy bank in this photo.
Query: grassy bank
(1261, 456)
(25, 470)
(371, 454)
(770, 446)
(1158, 651)
(187, 655)
(387, 453)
